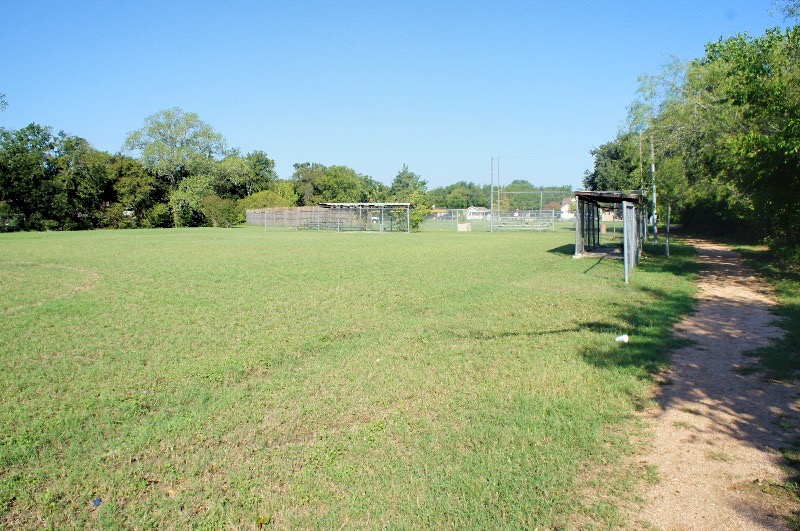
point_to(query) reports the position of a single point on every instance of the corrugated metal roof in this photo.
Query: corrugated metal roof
(365, 205)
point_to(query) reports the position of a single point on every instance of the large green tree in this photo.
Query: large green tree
(305, 178)
(51, 181)
(83, 184)
(174, 144)
(405, 183)
(28, 171)
(618, 165)
(139, 195)
(262, 169)
(316, 183)
(460, 195)
(725, 131)
(408, 187)
(279, 194)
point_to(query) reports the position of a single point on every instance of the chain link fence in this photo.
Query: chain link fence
(483, 219)
(318, 218)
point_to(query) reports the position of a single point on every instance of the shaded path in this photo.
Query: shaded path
(719, 426)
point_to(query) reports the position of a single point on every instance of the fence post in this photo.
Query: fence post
(626, 246)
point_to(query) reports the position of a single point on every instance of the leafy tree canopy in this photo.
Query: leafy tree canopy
(174, 144)
(405, 183)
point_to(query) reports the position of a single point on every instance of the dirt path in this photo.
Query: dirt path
(718, 429)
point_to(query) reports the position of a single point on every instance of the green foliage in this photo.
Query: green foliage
(263, 171)
(305, 178)
(316, 183)
(221, 212)
(160, 216)
(279, 194)
(419, 209)
(173, 144)
(460, 195)
(117, 216)
(726, 137)
(27, 176)
(83, 183)
(408, 187)
(618, 165)
(340, 184)
(136, 188)
(9, 219)
(233, 176)
(782, 269)
(186, 200)
(405, 183)
(51, 181)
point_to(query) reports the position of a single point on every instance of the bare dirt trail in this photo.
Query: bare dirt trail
(719, 426)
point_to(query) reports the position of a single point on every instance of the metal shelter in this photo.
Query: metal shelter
(393, 216)
(588, 223)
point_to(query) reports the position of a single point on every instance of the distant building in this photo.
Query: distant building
(567, 203)
(477, 213)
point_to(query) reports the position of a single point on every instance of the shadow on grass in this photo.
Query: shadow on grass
(782, 357)
(594, 326)
(650, 331)
(568, 250)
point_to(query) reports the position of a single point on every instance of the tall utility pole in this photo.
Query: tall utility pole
(491, 196)
(653, 182)
(641, 165)
(499, 205)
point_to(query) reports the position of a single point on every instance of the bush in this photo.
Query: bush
(221, 212)
(158, 216)
(114, 218)
(9, 220)
(277, 196)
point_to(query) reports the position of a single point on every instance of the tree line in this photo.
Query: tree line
(177, 171)
(724, 133)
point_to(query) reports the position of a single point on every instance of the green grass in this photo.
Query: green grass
(240, 378)
(781, 358)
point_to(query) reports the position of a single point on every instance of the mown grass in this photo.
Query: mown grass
(243, 378)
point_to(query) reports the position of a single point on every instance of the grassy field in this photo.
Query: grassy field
(236, 377)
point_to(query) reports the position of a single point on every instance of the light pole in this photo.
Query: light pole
(491, 196)
(653, 182)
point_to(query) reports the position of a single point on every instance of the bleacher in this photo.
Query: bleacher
(522, 224)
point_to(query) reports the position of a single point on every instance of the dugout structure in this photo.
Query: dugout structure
(389, 217)
(338, 217)
(588, 216)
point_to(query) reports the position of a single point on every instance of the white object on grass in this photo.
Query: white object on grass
(622, 339)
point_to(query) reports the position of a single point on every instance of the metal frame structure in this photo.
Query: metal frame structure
(587, 224)
(338, 217)
(525, 220)
(391, 208)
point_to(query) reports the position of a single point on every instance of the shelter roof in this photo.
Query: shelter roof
(365, 205)
(610, 197)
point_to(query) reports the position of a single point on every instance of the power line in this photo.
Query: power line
(544, 155)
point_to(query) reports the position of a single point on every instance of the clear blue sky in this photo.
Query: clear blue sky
(439, 85)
